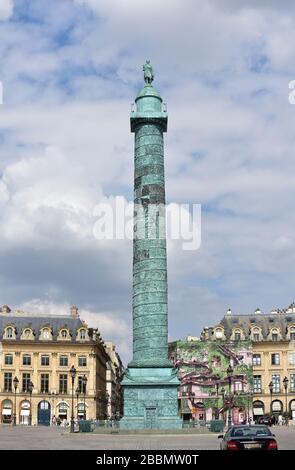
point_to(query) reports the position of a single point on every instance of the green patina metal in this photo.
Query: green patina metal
(150, 382)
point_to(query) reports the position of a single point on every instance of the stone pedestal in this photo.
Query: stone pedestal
(150, 399)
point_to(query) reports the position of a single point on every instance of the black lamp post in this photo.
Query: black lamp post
(217, 397)
(77, 396)
(84, 384)
(286, 382)
(229, 375)
(222, 394)
(15, 384)
(30, 390)
(270, 386)
(73, 375)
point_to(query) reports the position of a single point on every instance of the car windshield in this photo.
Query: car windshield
(250, 431)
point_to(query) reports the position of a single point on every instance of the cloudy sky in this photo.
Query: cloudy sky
(70, 70)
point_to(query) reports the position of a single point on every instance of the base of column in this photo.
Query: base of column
(150, 399)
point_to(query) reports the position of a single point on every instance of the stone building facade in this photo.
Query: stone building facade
(273, 356)
(39, 352)
(206, 390)
(114, 375)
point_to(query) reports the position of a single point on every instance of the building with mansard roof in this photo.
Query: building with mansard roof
(273, 355)
(37, 353)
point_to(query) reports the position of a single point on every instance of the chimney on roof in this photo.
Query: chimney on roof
(5, 309)
(228, 312)
(257, 311)
(74, 311)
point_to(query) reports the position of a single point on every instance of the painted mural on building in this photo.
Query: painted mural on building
(216, 379)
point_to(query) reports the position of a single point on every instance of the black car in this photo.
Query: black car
(243, 437)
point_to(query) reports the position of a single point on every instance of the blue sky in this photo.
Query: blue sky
(70, 70)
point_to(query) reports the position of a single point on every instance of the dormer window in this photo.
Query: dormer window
(291, 333)
(219, 333)
(27, 334)
(256, 334)
(274, 336)
(46, 333)
(82, 334)
(237, 335)
(64, 335)
(9, 333)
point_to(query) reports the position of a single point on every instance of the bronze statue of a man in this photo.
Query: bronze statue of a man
(148, 73)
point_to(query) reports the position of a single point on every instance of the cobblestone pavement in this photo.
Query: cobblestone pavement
(56, 438)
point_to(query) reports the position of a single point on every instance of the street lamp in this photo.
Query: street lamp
(270, 386)
(77, 395)
(84, 383)
(229, 375)
(217, 397)
(73, 375)
(30, 390)
(15, 384)
(286, 382)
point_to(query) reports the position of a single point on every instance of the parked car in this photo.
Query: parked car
(256, 437)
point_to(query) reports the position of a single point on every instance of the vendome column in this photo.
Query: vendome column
(150, 382)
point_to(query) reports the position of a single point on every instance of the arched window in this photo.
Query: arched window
(218, 333)
(82, 334)
(46, 333)
(292, 333)
(9, 333)
(63, 333)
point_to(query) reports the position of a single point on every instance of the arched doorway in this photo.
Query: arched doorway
(292, 409)
(277, 407)
(258, 409)
(6, 412)
(81, 411)
(25, 412)
(63, 411)
(44, 413)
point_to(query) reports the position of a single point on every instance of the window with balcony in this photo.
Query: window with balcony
(25, 382)
(44, 383)
(27, 360)
(275, 359)
(63, 361)
(81, 385)
(257, 384)
(256, 360)
(8, 359)
(82, 361)
(292, 358)
(63, 383)
(8, 381)
(44, 360)
(276, 383)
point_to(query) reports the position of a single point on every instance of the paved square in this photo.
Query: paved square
(50, 438)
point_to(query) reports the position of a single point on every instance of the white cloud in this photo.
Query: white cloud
(6, 9)
(68, 83)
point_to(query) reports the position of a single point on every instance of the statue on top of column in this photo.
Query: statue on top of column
(148, 73)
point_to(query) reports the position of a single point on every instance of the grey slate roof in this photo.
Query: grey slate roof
(279, 320)
(55, 322)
